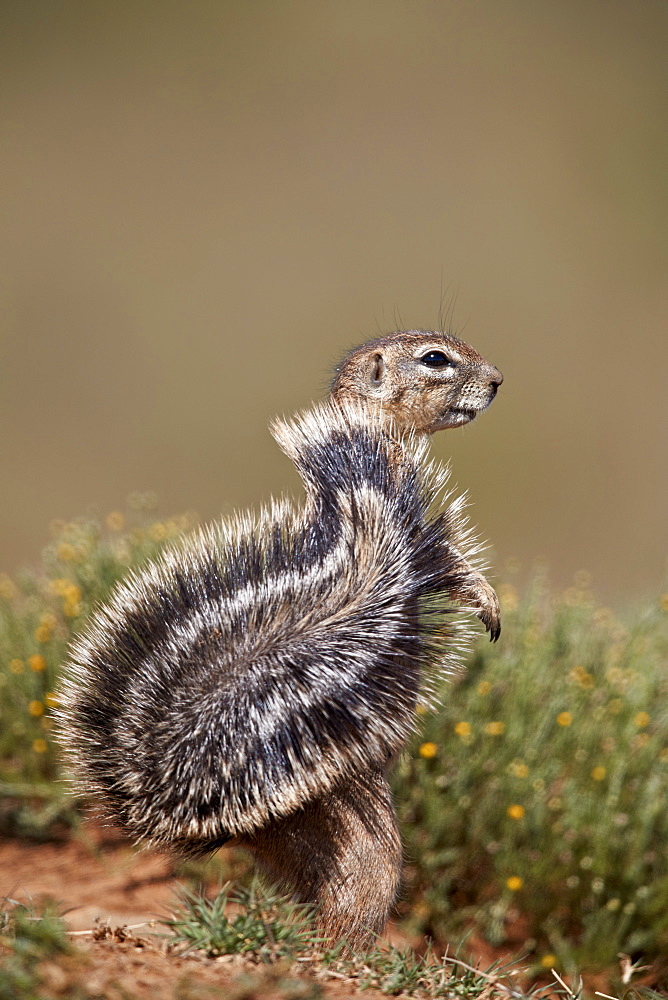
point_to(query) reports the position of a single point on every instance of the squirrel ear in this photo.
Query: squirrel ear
(377, 368)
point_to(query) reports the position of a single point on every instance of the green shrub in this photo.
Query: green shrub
(41, 610)
(535, 799)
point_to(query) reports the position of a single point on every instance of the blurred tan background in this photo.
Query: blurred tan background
(205, 203)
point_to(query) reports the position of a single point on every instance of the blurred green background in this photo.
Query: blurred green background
(204, 204)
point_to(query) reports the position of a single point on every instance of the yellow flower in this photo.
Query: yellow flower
(66, 552)
(663, 755)
(428, 750)
(548, 961)
(484, 687)
(50, 700)
(641, 719)
(36, 708)
(158, 531)
(463, 729)
(495, 728)
(8, 588)
(516, 811)
(519, 769)
(564, 718)
(615, 706)
(599, 773)
(70, 593)
(514, 883)
(115, 521)
(37, 663)
(45, 629)
(581, 677)
(39, 745)
(664, 602)
(16, 666)
(63, 587)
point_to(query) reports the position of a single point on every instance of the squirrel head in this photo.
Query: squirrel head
(426, 381)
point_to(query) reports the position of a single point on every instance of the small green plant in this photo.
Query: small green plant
(252, 922)
(401, 972)
(26, 939)
(534, 801)
(265, 928)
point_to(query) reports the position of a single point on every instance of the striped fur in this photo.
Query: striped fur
(261, 663)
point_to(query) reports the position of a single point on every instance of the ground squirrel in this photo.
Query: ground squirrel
(255, 682)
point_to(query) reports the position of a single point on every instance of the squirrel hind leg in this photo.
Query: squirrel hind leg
(340, 853)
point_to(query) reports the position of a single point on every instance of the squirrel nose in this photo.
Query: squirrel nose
(495, 378)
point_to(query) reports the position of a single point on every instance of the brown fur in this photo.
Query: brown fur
(389, 372)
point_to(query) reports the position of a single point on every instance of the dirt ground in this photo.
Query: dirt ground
(98, 878)
(113, 899)
(95, 875)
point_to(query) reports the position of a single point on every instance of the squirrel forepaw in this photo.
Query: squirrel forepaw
(484, 601)
(492, 621)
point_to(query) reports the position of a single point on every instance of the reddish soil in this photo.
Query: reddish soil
(96, 875)
(99, 878)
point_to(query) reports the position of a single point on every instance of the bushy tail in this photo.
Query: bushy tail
(259, 662)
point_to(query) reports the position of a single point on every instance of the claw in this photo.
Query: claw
(488, 608)
(481, 597)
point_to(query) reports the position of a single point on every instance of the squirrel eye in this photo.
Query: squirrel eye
(435, 359)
